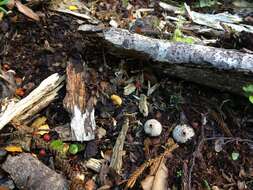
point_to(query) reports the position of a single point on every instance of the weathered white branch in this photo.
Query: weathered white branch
(177, 53)
(35, 101)
(215, 67)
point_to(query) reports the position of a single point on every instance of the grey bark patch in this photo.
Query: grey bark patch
(31, 174)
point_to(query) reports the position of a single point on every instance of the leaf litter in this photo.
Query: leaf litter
(219, 156)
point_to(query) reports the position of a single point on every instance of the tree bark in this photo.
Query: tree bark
(80, 102)
(29, 173)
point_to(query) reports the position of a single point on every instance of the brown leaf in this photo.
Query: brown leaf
(11, 4)
(90, 185)
(158, 181)
(3, 188)
(147, 183)
(161, 178)
(26, 11)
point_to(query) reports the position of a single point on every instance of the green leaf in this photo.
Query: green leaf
(235, 155)
(206, 185)
(248, 88)
(251, 99)
(73, 149)
(206, 3)
(4, 2)
(57, 145)
(179, 37)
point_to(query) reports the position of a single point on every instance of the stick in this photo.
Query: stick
(116, 161)
(38, 99)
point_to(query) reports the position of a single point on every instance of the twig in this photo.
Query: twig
(46, 90)
(116, 161)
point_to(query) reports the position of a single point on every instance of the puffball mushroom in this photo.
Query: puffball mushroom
(153, 127)
(182, 133)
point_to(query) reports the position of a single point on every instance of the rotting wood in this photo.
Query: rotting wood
(29, 173)
(38, 99)
(116, 160)
(80, 102)
(219, 68)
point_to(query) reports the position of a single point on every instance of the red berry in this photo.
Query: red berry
(47, 137)
(42, 152)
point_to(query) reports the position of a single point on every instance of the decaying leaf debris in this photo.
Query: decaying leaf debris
(136, 62)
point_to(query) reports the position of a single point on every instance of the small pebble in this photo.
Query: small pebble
(2, 153)
(153, 127)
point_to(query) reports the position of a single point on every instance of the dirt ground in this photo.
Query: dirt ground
(36, 50)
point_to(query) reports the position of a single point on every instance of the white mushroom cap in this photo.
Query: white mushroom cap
(182, 133)
(153, 127)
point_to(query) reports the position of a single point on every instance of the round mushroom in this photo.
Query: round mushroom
(152, 127)
(182, 133)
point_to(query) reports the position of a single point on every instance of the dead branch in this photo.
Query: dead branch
(116, 161)
(38, 99)
(215, 67)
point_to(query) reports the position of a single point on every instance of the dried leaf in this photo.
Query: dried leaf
(101, 132)
(38, 122)
(160, 159)
(90, 185)
(43, 129)
(13, 148)
(159, 181)
(129, 89)
(20, 92)
(161, 178)
(116, 100)
(1, 16)
(4, 188)
(27, 11)
(143, 105)
(147, 183)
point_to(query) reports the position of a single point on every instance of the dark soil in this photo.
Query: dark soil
(36, 50)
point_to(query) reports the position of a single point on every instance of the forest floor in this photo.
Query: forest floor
(218, 156)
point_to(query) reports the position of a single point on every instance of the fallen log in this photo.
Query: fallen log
(80, 102)
(219, 68)
(30, 173)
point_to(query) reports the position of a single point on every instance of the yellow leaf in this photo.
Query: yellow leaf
(1, 16)
(38, 122)
(13, 148)
(73, 8)
(43, 129)
(116, 100)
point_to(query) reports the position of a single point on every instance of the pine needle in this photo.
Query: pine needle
(171, 145)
